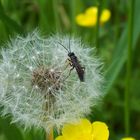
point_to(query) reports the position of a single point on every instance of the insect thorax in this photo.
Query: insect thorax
(70, 54)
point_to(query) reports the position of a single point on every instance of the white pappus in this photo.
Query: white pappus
(33, 84)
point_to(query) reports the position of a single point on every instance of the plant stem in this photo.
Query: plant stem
(117, 20)
(49, 136)
(129, 69)
(56, 14)
(98, 24)
(73, 14)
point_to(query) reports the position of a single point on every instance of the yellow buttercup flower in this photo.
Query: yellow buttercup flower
(89, 18)
(128, 138)
(84, 130)
(105, 16)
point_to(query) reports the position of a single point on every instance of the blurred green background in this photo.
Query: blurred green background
(114, 37)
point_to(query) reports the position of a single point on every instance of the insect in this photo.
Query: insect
(74, 63)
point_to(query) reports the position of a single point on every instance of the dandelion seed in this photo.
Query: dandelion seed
(33, 84)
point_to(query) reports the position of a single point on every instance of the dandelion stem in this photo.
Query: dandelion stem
(98, 22)
(128, 67)
(49, 136)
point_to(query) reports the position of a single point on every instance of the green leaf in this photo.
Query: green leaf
(120, 52)
(10, 23)
(10, 131)
(34, 134)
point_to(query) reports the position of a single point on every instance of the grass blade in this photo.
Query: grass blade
(120, 54)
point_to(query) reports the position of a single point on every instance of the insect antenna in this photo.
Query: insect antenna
(63, 46)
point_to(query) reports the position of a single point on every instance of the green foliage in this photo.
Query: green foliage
(59, 15)
(9, 131)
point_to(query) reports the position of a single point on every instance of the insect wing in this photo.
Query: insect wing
(80, 71)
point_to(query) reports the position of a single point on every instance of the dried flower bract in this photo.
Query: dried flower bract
(46, 79)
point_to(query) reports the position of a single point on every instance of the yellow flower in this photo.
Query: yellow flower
(105, 16)
(84, 130)
(89, 18)
(128, 138)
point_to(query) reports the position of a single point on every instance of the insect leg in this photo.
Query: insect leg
(69, 73)
(70, 63)
(83, 68)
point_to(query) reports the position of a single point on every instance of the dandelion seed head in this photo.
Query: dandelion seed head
(35, 87)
